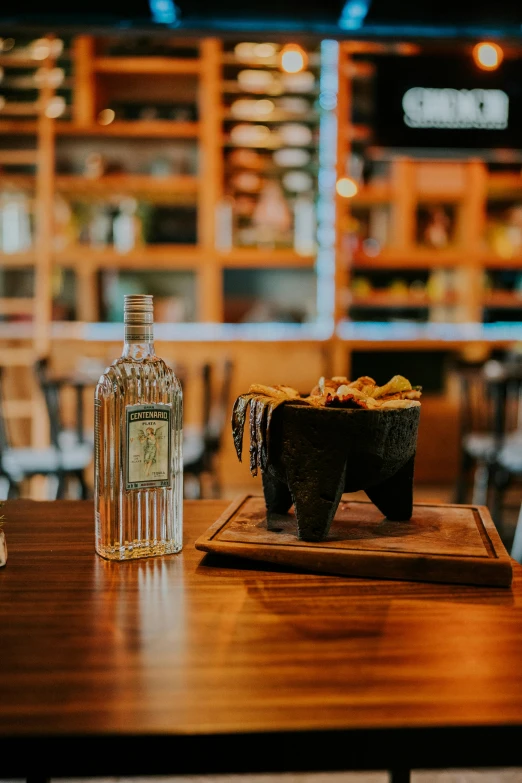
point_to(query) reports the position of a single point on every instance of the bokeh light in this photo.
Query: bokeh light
(346, 187)
(293, 58)
(106, 116)
(488, 55)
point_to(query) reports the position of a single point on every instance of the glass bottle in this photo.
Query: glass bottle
(126, 226)
(138, 447)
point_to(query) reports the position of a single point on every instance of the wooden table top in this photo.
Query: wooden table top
(195, 663)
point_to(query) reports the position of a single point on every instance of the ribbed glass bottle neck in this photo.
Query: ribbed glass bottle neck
(137, 351)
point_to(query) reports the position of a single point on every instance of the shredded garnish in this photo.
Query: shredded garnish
(336, 392)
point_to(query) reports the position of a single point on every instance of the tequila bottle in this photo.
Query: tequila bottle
(138, 447)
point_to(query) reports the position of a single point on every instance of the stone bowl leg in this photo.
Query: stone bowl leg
(394, 496)
(277, 499)
(316, 498)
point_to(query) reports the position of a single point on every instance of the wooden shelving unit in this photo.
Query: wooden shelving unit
(465, 186)
(203, 189)
(380, 299)
(147, 65)
(253, 257)
(126, 183)
(407, 186)
(17, 260)
(414, 258)
(148, 256)
(32, 121)
(163, 129)
(502, 299)
(91, 69)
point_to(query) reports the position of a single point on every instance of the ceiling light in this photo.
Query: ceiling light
(164, 12)
(488, 55)
(353, 14)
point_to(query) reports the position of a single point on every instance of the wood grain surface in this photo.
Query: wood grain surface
(197, 663)
(440, 543)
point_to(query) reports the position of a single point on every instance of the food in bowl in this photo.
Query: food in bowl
(344, 436)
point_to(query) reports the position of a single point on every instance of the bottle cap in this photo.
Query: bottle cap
(138, 314)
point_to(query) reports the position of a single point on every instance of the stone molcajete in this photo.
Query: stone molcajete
(344, 437)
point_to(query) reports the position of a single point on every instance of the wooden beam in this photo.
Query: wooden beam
(147, 65)
(84, 81)
(403, 208)
(210, 283)
(87, 293)
(18, 157)
(342, 205)
(43, 245)
(14, 305)
(20, 109)
(167, 129)
(16, 357)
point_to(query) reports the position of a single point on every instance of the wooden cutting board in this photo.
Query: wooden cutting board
(440, 543)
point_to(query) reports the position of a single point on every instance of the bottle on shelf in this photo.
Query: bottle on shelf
(64, 227)
(95, 165)
(437, 229)
(304, 225)
(15, 223)
(138, 447)
(272, 217)
(225, 224)
(99, 228)
(126, 227)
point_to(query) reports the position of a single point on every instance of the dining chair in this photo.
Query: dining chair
(202, 443)
(516, 546)
(506, 467)
(21, 463)
(69, 454)
(480, 429)
(10, 474)
(76, 381)
(219, 414)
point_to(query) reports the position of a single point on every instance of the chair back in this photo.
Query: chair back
(205, 443)
(507, 463)
(490, 399)
(505, 382)
(513, 402)
(5, 441)
(216, 403)
(51, 394)
(476, 399)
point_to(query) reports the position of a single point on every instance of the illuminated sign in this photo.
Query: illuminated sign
(434, 107)
(445, 102)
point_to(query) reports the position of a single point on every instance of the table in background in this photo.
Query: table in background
(190, 664)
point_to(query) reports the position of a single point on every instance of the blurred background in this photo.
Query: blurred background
(305, 192)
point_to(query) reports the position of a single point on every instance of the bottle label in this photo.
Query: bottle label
(148, 446)
(139, 333)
